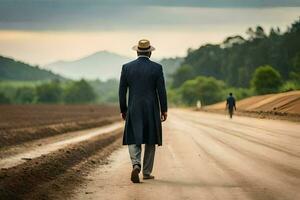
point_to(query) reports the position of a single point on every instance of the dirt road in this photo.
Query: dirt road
(208, 156)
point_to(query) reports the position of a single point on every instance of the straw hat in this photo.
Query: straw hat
(143, 46)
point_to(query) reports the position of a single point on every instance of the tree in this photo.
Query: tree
(182, 74)
(106, 91)
(4, 99)
(174, 97)
(274, 32)
(25, 95)
(266, 80)
(295, 26)
(79, 92)
(232, 40)
(207, 89)
(49, 92)
(250, 33)
(235, 60)
(295, 73)
(260, 32)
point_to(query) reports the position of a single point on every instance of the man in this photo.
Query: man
(230, 104)
(146, 108)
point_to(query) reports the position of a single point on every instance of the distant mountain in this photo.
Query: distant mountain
(11, 69)
(101, 65)
(170, 65)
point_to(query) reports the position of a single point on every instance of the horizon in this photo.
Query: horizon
(43, 32)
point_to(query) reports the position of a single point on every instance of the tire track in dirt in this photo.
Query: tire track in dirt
(282, 166)
(290, 171)
(293, 134)
(249, 185)
(32, 179)
(18, 136)
(16, 155)
(247, 137)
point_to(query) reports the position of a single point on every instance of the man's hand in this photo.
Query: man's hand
(163, 116)
(123, 115)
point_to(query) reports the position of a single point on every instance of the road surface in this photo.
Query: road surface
(208, 156)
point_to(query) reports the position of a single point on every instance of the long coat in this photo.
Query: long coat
(144, 80)
(230, 102)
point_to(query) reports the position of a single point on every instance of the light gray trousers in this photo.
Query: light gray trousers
(148, 161)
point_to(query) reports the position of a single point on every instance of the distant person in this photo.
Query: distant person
(198, 105)
(230, 104)
(145, 110)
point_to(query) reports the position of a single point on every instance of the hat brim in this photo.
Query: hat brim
(135, 48)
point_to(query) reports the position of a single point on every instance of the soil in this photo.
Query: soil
(23, 123)
(204, 156)
(207, 156)
(44, 177)
(284, 106)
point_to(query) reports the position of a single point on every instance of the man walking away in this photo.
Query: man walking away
(230, 104)
(145, 110)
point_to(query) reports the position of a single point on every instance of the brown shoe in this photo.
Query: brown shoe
(145, 177)
(135, 174)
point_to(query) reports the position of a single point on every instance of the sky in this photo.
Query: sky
(44, 31)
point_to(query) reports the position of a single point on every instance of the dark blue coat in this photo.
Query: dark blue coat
(230, 102)
(144, 80)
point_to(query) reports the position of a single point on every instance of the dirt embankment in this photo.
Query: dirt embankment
(278, 106)
(22, 123)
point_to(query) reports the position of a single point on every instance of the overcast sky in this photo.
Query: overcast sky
(43, 31)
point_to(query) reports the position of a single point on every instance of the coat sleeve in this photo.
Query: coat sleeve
(161, 90)
(123, 91)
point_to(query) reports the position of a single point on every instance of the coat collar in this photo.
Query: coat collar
(142, 56)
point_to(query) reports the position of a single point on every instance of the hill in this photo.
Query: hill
(235, 60)
(13, 70)
(288, 102)
(100, 65)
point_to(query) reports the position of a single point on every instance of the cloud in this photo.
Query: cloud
(92, 15)
(192, 3)
(40, 31)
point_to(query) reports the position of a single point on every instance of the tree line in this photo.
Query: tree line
(259, 64)
(72, 92)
